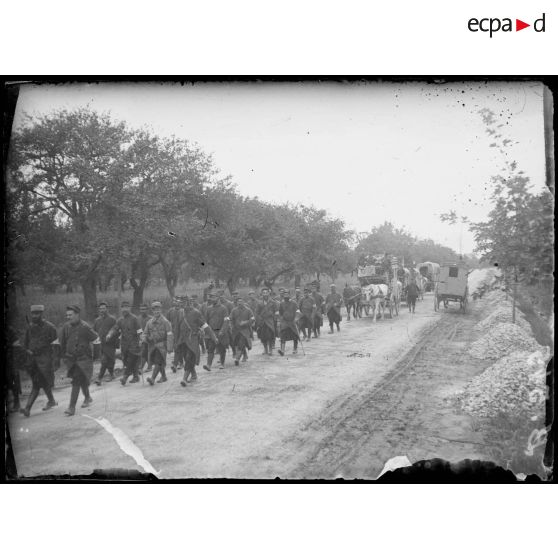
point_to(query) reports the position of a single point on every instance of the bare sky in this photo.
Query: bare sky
(366, 153)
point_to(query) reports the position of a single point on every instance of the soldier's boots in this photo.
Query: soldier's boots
(281, 351)
(338, 328)
(244, 355)
(184, 380)
(222, 364)
(50, 404)
(86, 402)
(193, 376)
(173, 368)
(71, 410)
(330, 329)
(135, 378)
(32, 396)
(163, 377)
(209, 363)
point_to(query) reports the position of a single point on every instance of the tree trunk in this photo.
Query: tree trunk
(139, 288)
(231, 284)
(298, 279)
(89, 289)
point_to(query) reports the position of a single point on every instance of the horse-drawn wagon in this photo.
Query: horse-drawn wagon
(380, 287)
(451, 285)
(430, 272)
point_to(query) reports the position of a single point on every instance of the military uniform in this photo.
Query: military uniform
(143, 318)
(307, 307)
(77, 354)
(159, 337)
(188, 341)
(102, 326)
(38, 342)
(174, 316)
(241, 326)
(289, 313)
(216, 318)
(129, 328)
(333, 303)
(318, 314)
(266, 325)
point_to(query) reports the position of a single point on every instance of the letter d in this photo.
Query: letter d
(535, 27)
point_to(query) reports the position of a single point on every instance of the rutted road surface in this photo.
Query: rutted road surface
(354, 400)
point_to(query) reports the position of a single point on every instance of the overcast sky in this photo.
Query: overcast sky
(366, 153)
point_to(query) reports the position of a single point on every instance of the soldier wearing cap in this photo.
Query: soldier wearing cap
(174, 316)
(298, 295)
(144, 317)
(38, 342)
(288, 331)
(318, 314)
(128, 327)
(195, 304)
(242, 319)
(76, 338)
(102, 325)
(252, 301)
(217, 318)
(333, 304)
(159, 338)
(266, 313)
(207, 290)
(188, 339)
(307, 307)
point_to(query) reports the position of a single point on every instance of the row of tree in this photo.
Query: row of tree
(93, 201)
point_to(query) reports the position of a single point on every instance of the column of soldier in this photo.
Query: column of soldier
(189, 328)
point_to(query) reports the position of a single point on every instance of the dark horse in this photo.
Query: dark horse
(351, 298)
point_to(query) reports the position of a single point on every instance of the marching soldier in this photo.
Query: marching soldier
(318, 315)
(207, 290)
(144, 317)
(288, 331)
(128, 327)
(197, 306)
(174, 316)
(333, 303)
(102, 325)
(307, 308)
(159, 337)
(242, 319)
(266, 312)
(298, 295)
(217, 318)
(188, 339)
(38, 342)
(75, 341)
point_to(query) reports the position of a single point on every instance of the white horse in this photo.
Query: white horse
(376, 297)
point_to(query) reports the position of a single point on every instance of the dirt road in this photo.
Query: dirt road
(354, 400)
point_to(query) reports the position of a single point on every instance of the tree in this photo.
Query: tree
(70, 164)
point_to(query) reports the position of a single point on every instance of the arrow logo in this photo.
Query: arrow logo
(519, 25)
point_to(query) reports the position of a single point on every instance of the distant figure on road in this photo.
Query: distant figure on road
(159, 337)
(38, 340)
(333, 302)
(75, 341)
(288, 330)
(412, 295)
(102, 326)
